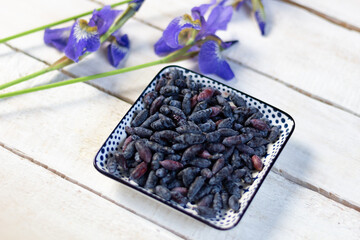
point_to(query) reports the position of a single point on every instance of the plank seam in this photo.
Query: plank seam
(297, 89)
(318, 190)
(69, 74)
(331, 196)
(75, 182)
(324, 16)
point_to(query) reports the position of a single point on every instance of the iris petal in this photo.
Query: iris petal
(103, 18)
(118, 49)
(211, 61)
(199, 11)
(219, 18)
(83, 38)
(171, 33)
(260, 19)
(162, 49)
(57, 38)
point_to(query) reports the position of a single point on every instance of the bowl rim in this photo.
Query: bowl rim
(173, 206)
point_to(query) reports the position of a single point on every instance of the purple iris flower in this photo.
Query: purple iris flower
(137, 3)
(212, 62)
(218, 19)
(57, 38)
(118, 49)
(258, 10)
(83, 38)
(103, 19)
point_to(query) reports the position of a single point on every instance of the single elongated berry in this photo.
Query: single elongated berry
(188, 129)
(260, 151)
(140, 118)
(213, 137)
(274, 134)
(217, 202)
(208, 126)
(167, 135)
(179, 146)
(112, 165)
(227, 132)
(206, 173)
(215, 148)
(171, 165)
(161, 172)
(195, 187)
(191, 152)
(200, 106)
(206, 94)
(177, 112)
(119, 157)
(225, 123)
(254, 131)
(191, 138)
(246, 160)
(225, 199)
(169, 90)
(234, 203)
(215, 111)
(234, 140)
(205, 190)
(156, 104)
(129, 151)
(151, 180)
(259, 124)
(257, 162)
(221, 175)
(237, 100)
(139, 171)
(182, 190)
(200, 162)
(143, 132)
(186, 103)
(219, 164)
(179, 198)
(149, 98)
(257, 142)
(200, 116)
(206, 201)
(143, 150)
(156, 147)
(175, 103)
(243, 148)
(155, 161)
(206, 212)
(159, 84)
(188, 175)
(149, 120)
(163, 192)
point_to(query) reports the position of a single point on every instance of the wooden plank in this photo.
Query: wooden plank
(65, 135)
(37, 204)
(316, 146)
(300, 49)
(287, 53)
(347, 11)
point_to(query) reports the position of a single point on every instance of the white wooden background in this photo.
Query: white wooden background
(307, 65)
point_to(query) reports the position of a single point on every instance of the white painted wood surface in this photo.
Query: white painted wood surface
(347, 11)
(58, 209)
(63, 128)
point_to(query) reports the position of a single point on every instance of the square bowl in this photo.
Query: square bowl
(226, 219)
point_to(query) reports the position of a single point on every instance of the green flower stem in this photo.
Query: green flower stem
(83, 79)
(61, 64)
(56, 23)
(64, 61)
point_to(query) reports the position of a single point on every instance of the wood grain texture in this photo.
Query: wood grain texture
(302, 52)
(64, 135)
(346, 11)
(37, 204)
(300, 49)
